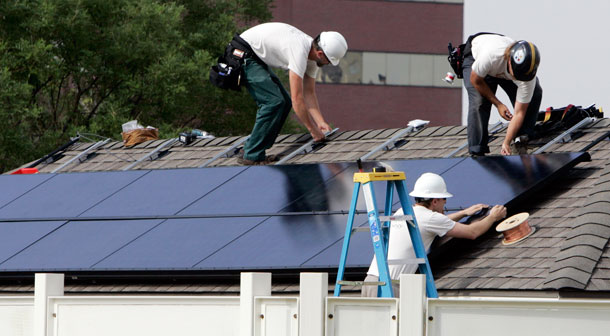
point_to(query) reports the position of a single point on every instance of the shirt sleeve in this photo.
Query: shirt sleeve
(482, 65)
(312, 69)
(297, 66)
(525, 90)
(440, 224)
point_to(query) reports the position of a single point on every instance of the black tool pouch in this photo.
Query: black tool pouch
(456, 59)
(228, 72)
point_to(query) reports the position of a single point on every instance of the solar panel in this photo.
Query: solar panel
(13, 186)
(280, 242)
(68, 195)
(228, 230)
(360, 253)
(337, 191)
(16, 236)
(178, 243)
(78, 245)
(267, 189)
(163, 192)
(502, 179)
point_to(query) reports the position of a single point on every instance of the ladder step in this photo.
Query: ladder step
(360, 283)
(363, 283)
(366, 228)
(395, 218)
(412, 261)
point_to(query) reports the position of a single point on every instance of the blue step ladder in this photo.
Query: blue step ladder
(380, 234)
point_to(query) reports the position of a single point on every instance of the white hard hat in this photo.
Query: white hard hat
(334, 46)
(430, 185)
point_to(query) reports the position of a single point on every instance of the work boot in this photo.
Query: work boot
(474, 155)
(269, 159)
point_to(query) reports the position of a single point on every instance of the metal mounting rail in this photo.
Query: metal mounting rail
(225, 152)
(306, 148)
(151, 154)
(81, 154)
(414, 125)
(565, 136)
(494, 129)
(49, 157)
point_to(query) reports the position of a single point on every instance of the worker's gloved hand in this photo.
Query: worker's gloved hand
(498, 212)
(475, 209)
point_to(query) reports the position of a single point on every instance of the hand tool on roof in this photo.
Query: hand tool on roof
(380, 234)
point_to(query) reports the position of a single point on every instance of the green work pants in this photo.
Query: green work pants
(274, 104)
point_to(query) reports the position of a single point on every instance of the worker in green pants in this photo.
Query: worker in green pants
(283, 46)
(274, 105)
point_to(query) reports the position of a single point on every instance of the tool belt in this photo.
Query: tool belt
(228, 70)
(457, 54)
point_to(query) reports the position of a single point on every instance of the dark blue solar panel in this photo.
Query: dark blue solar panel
(179, 243)
(267, 189)
(242, 240)
(501, 179)
(336, 194)
(163, 192)
(15, 236)
(78, 245)
(280, 242)
(68, 195)
(13, 186)
(360, 252)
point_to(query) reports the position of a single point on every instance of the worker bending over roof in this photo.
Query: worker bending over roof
(491, 60)
(283, 46)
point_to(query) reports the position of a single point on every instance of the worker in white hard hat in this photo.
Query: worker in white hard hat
(280, 45)
(430, 193)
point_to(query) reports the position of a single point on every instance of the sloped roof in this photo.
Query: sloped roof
(569, 249)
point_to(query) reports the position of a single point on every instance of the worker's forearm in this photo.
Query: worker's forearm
(456, 216)
(300, 110)
(481, 86)
(313, 109)
(514, 126)
(482, 226)
(311, 102)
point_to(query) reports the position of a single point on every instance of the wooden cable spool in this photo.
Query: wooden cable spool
(515, 228)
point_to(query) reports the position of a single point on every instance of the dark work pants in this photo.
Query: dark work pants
(274, 104)
(479, 109)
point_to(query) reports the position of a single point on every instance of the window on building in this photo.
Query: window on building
(379, 68)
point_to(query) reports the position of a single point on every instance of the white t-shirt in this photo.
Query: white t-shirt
(281, 45)
(431, 224)
(488, 52)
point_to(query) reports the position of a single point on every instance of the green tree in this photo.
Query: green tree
(69, 66)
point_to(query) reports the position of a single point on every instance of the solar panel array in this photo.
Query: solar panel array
(225, 218)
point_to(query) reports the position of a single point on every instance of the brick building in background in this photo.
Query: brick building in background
(396, 61)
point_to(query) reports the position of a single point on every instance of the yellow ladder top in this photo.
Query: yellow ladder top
(385, 176)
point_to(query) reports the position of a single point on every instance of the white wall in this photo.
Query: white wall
(573, 39)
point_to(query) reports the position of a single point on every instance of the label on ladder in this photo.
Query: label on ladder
(372, 213)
